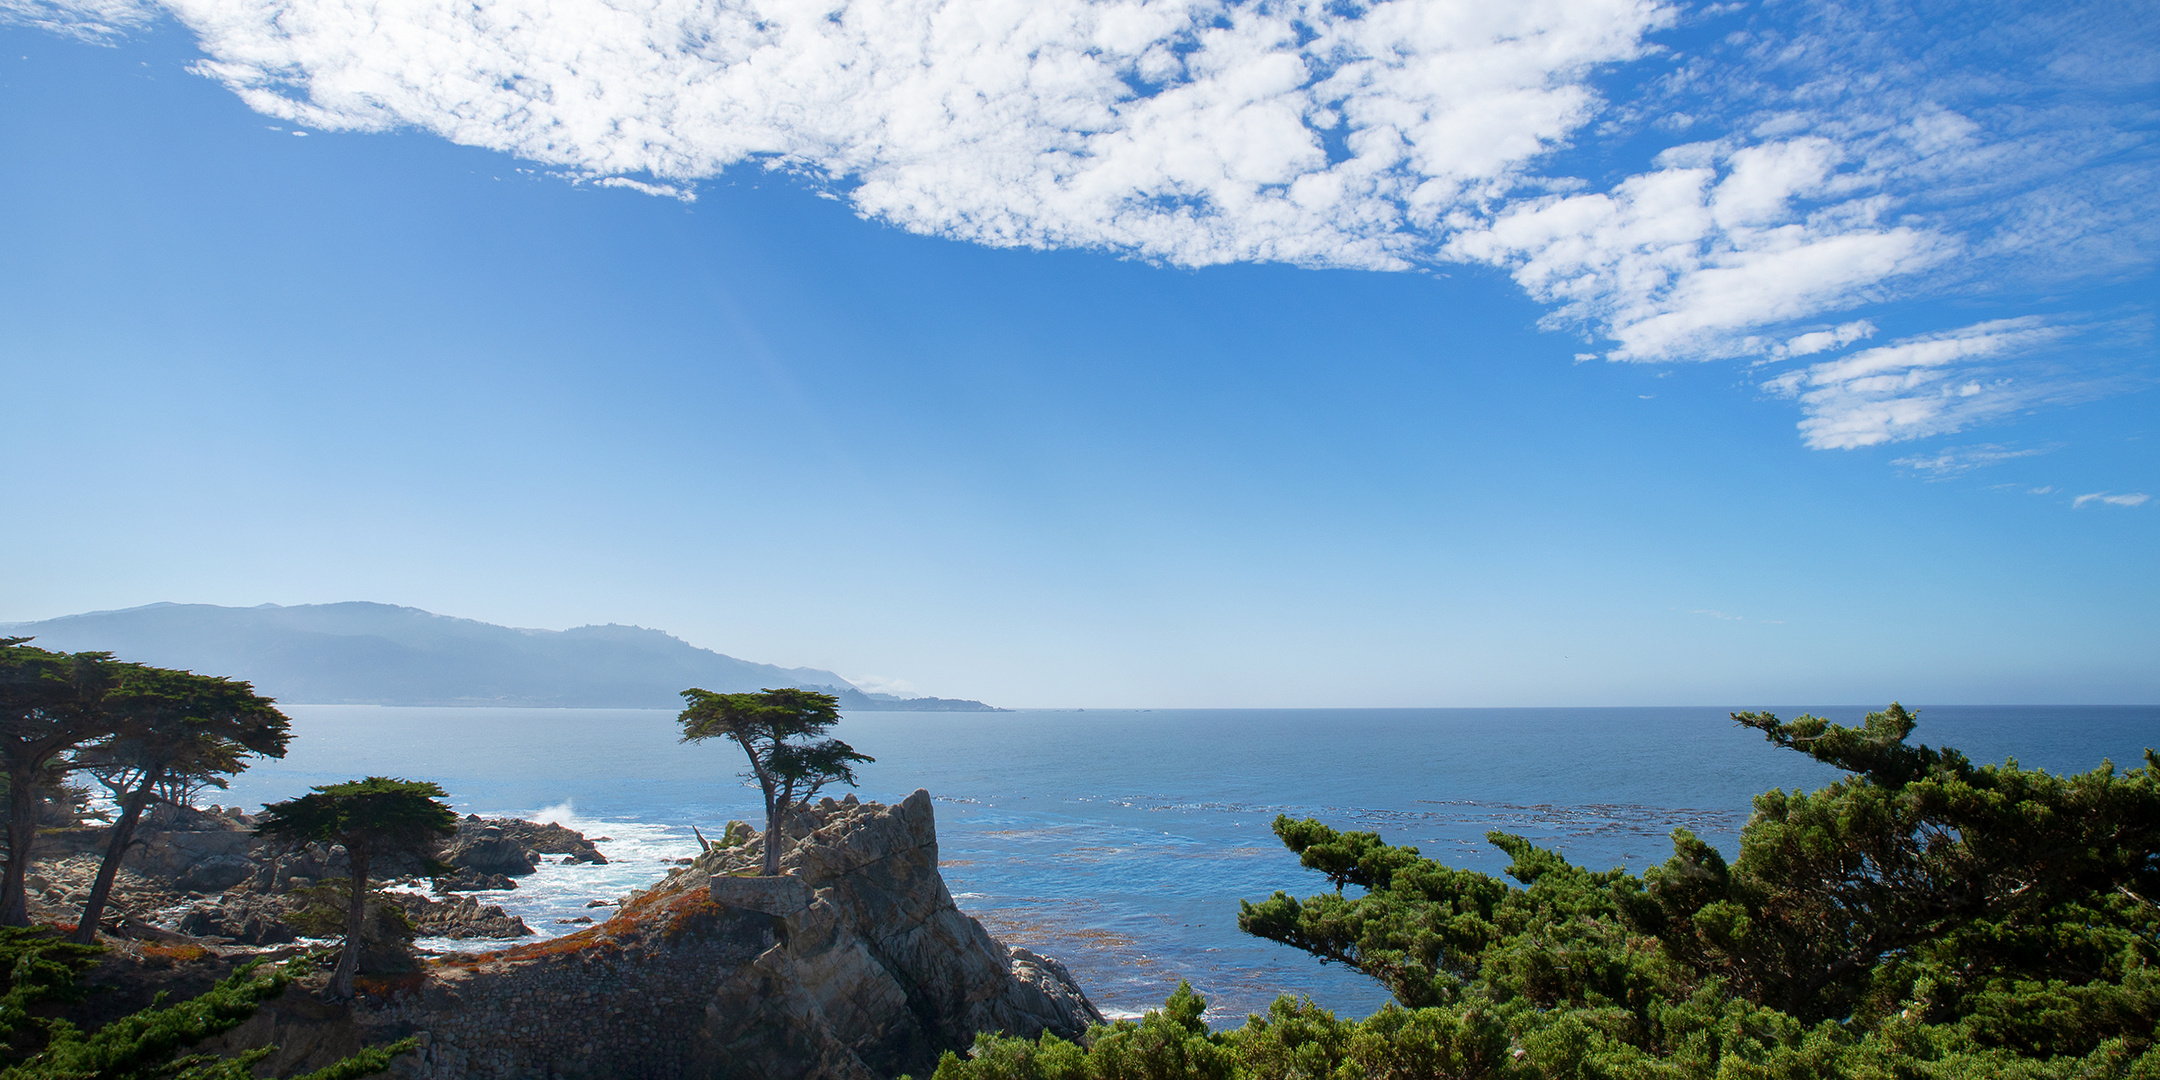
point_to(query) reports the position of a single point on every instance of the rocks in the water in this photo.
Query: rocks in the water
(486, 849)
(182, 854)
(470, 880)
(483, 848)
(855, 965)
(458, 917)
(599, 903)
(550, 838)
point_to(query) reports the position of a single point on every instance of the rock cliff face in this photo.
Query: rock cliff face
(854, 964)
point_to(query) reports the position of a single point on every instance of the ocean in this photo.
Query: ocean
(1120, 841)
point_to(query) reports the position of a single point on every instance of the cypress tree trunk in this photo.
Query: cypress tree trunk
(775, 808)
(115, 849)
(773, 840)
(348, 965)
(21, 834)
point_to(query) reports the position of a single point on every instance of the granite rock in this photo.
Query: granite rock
(485, 848)
(240, 917)
(458, 917)
(853, 965)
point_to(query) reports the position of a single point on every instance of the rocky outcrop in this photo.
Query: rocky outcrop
(482, 847)
(241, 917)
(852, 965)
(874, 950)
(469, 880)
(203, 861)
(487, 852)
(550, 838)
(458, 917)
(201, 875)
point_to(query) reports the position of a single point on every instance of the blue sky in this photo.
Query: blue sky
(1086, 354)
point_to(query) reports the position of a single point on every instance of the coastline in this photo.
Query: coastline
(1122, 841)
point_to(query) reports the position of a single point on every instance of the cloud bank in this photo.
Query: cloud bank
(1761, 173)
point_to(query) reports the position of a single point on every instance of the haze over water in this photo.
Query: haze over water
(1121, 841)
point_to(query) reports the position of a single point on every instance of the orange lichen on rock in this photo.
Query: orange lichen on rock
(179, 951)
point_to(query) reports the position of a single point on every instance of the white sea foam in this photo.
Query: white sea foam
(639, 854)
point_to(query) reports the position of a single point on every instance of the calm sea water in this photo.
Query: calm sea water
(1122, 841)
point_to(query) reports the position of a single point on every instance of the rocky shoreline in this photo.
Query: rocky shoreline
(202, 874)
(854, 963)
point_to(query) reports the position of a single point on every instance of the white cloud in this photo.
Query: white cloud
(1688, 261)
(1959, 460)
(1817, 341)
(2102, 497)
(1933, 384)
(1191, 131)
(1827, 167)
(664, 190)
(84, 20)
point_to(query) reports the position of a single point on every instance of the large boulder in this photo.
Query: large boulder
(550, 838)
(485, 848)
(458, 917)
(176, 855)
(240, 917)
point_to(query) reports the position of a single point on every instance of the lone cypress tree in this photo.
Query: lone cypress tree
(374, 818)
(771, 726)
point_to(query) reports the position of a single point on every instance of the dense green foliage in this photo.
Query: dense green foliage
(1921, 917)
(378, 817)
(149, 1045)
(778, 730)
(48, 707)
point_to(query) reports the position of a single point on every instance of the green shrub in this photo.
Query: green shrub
(149, 1045)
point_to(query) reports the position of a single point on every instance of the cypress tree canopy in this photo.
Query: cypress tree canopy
(1920, 917)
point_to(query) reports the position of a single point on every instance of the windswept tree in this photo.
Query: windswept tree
(778, 731)
(49, 705)
(1922, 916)
(170, 725)
(378, 817)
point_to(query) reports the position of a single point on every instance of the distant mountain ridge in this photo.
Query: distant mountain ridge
(362, 653)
